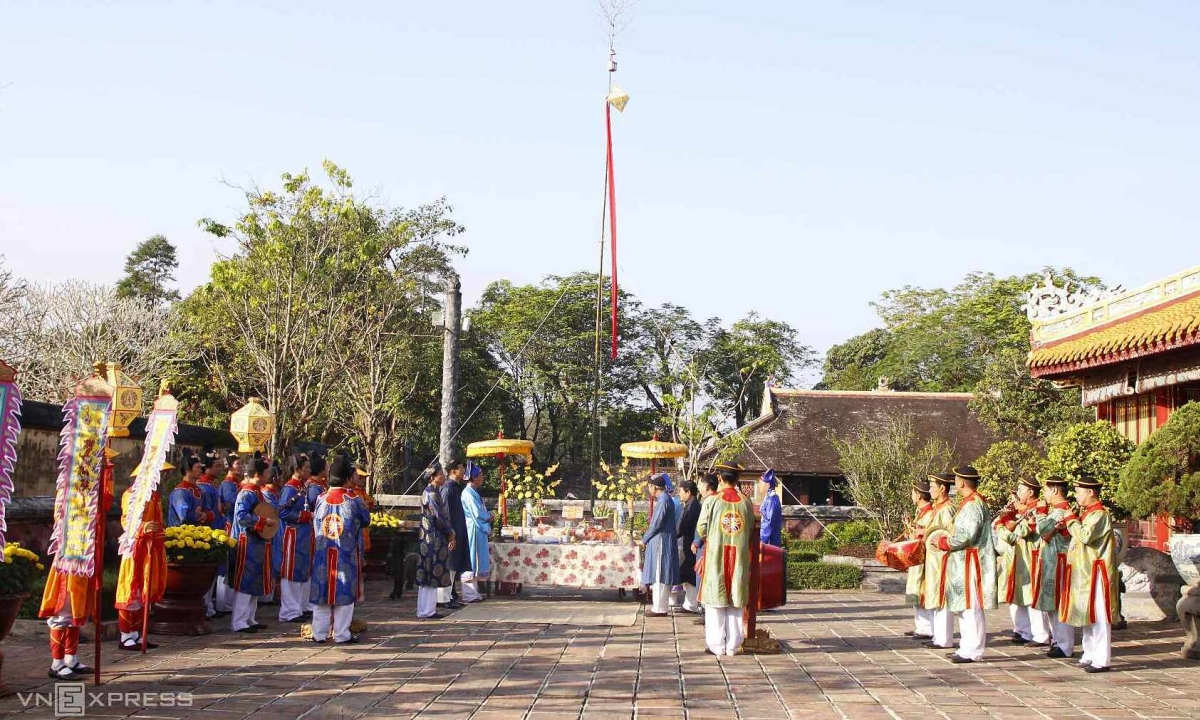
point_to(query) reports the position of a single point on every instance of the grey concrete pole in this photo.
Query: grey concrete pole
(453, 326)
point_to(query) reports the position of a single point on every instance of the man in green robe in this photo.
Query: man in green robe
(726, 521)
(1019, 546)
(1051, 585)
(1092, 563)
(937, 562)
(971, 571)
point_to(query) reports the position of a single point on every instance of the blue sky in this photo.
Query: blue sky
(794, 158)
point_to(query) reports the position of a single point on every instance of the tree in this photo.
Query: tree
(744, 358)
(880, 467)
(1018, 406)
(1163, 475)
(852, 364)
(942, 340)
(1003, 465)
(148, 269)
(1089, 449)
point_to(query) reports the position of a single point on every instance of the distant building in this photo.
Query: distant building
(794, 434)
(1135, 354)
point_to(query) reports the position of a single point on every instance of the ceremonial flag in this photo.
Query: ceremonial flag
(81, 463)
(10, 428)
(161, 427)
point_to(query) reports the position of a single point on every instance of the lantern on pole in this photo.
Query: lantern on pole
(127, 398)
(252, 425)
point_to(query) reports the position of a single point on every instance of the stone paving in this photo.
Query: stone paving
(846, 657)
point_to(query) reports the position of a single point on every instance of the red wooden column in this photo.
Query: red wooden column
(750, 618)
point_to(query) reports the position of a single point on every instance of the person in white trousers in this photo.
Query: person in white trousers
(726, 521)
(250, 561)
(914, 588)
(688, 493)
(660, 564)
(971, 571)
(1019, 546)
(338, 521)
(437, 541)
(1050, 584)
(1094, 580)
(935, 567)
(479, 528)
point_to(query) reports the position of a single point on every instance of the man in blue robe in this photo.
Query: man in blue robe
(338, 520)
(459, 559)
(479, 527)
(250, 560)
(771, 530)
(185, 503)
(210, 502)
(437, 541)
(226, 497)
(295, 543)
(660, 567)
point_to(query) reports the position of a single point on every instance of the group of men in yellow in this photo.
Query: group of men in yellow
(324, 526)
(1054, 565)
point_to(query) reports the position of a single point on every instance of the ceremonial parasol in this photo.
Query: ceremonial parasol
(501, 447)
(653, 450)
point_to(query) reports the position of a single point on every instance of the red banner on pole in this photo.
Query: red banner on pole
(612, 222)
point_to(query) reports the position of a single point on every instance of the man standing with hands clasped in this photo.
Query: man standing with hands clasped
(971, 571)
(660, 568)
(726, 521)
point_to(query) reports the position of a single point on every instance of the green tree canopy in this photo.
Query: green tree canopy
(1088, 449)
(1163, 476)
(148, 269)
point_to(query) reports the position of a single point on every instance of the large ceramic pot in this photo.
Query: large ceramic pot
(1185, 553)
(181, 610)
(376, 557)
(10, 605)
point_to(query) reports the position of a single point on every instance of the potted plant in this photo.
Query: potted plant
(532, 487)
(622, 486)
(1162, 478)
(17, 573)
(384, 529)
(603, 516)
(193, 554)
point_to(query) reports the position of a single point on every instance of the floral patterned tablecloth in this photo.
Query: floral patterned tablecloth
(568, 565)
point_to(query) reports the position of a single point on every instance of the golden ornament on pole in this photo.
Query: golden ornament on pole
(618, 98)
(253, 426)
(127, 398)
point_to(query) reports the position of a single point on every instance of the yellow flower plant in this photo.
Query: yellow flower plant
(197, 544)
(621, 484)
(385, 521)
(18, 570)
(525, 484)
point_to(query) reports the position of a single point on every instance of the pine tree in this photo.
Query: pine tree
(148, 269)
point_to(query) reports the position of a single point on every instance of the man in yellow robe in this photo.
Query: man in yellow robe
(726, 521)
(970, 585)
(1019, 547)
(914, 589)
(937, 562)
(1050, 585)
(1092, 576)
(142, 577)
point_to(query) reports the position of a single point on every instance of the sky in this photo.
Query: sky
(791, 158)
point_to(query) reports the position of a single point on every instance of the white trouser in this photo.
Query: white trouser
(291, 599)
(972, 630)
(660, 594)
(426, 601)
(943, 627)
(1039, 625)
(210, 599)
(1097, 637)
(1063, 635)
(446, 594)
(223, 602)
(341, 616)
(1021, 621)
(922, 621)
(245, 607)
(470, 587)
(689, 597)
(723, 631)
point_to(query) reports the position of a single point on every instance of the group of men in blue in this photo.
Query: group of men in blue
(306, 535)
(455, 525)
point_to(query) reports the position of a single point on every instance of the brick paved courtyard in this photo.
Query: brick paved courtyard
(846, 658)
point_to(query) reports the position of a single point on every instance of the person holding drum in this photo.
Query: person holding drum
(255, 523)
(914, 590)
(936, 562)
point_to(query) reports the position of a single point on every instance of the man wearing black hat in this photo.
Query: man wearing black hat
(660, 566)
(1092, 558)
(1018, 543)
(914, 588)
(971, 572)
(937, 562)
(726, 521)
(1050, 585)
(459, 559)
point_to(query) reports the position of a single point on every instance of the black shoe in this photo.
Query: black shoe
(1018, 640)
(910, 633)
(454, 605)
(435, 616)
(81, 669)
(320, 642)
(1056, 652)
(297, 619)
(353, 639)
(1036, 644)
(934, 646)
(1093, 669)
(259, 626)
(63, 673)
(248, 629)
(960, 660)
(131, 646)
(921, 637)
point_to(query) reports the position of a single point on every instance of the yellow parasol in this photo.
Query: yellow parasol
(501, 447)
(653, 450)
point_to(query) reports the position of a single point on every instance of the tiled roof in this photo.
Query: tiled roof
(1155, 330)
(794, 433)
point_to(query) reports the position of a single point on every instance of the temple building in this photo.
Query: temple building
(1135, 354)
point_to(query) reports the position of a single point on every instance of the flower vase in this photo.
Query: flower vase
(181, 610)
(528, 513)
(622, 515)
(10, 605)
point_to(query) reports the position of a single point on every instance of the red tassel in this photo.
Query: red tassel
(612, 221)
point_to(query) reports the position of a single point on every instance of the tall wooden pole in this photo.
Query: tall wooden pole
(98, 563)
(452, 325)
(750, 618)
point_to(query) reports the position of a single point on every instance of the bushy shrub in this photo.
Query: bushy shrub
(1005, 463)
(1163, 476)
(1094, 450)
(823, 576)
(799, 556)
(852, 532)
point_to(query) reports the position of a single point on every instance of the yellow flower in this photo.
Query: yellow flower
(179, 557)
(41, 566)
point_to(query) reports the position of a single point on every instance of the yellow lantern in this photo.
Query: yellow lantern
(252, 425)
(127, 398)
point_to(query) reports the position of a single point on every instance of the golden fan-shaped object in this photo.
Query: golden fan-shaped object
(653, 450)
